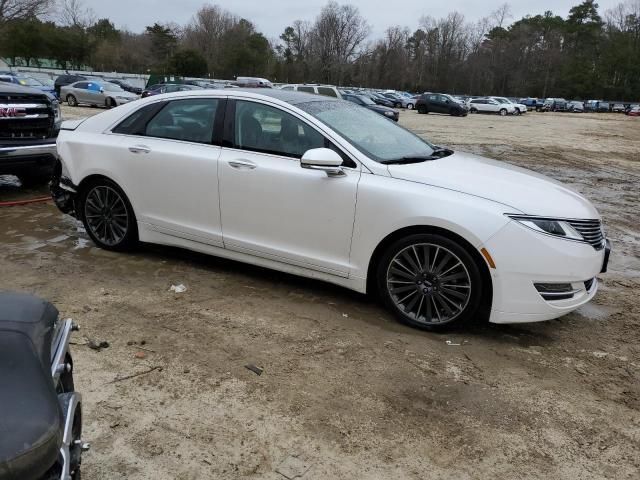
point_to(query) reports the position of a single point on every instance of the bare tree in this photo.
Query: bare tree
(74, 13)
(18, 9)
(501, 15)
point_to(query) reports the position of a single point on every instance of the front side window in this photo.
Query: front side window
(189, 120)
(266, 129)
(306, 89)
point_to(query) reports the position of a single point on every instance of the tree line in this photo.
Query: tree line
(588, 54)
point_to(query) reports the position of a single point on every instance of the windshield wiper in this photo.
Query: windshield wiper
(437, 153)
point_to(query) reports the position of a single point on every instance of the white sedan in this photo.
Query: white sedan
(490, 105)
(326, 189)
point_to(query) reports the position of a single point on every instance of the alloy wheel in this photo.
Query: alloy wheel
(106, 215)
(429, 283)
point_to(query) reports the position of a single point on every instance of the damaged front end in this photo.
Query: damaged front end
(63, 192)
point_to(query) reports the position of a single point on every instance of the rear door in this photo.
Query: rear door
(170, 167)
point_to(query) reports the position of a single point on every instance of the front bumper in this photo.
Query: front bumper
(35, 156)
(64, 194)
(524, 258)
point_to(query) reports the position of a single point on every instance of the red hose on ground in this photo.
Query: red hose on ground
(25, 202)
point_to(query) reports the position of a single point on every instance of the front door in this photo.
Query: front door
(273, 208)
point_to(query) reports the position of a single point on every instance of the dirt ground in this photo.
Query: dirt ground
(346, 391)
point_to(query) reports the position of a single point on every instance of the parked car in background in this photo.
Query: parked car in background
(323, 188)
(326, 90)
(634, 111)
(27, 81)
(167, 88)
(29, 124)
(519, 108)
(380, 99)
(91, 92)
(125, 86)
(489, 105)
(253, 82)
(441, 103)
(66, 79)
(366, 102)
(532, 103)
(575, 106)
(400, 101)
(618, 108)
(555, 105)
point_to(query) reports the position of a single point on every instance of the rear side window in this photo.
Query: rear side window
(189, 120)
(82, 85)
(306, 89)
(287, 88)
(329, 92)
(135, 123)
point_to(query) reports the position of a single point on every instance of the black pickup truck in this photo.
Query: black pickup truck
(29, 124)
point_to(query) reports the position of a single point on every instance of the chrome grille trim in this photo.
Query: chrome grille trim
(591, 230)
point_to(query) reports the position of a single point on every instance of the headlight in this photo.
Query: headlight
(389, 114)
(550, 226)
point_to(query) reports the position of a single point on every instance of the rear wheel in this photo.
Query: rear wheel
(108, 216)
(503, 112)
(72, 101)
(429, 281)
(110, 103)
(422, 109)
(473, 110)
(409, 106)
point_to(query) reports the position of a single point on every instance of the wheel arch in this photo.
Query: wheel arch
(487, 281)
(94, 177)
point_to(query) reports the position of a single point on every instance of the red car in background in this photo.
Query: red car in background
(634, 112)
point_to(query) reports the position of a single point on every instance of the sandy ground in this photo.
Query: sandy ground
(346, 391)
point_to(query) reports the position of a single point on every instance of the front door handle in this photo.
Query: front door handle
(242, 164)
(139, 149)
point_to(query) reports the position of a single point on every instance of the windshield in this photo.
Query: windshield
(29, 82)
(378, 138)
(111, 87)
(501, 100)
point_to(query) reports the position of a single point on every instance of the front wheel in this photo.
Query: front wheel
(473, 110)
(422, 110)
(409, 106)
(429, 281)
(108, 216)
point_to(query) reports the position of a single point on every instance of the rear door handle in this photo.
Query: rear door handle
(139, 149)
(242, 164)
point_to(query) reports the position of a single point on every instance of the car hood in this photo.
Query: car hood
(381, 108)
(520, 190)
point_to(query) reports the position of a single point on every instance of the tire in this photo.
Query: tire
(503, 112)
(72, 101)
(517, 112)
(110, 103)
(409, 106)
(397, 105)
(107, 216)
(419, 298)
(473, 110)
(422, 110)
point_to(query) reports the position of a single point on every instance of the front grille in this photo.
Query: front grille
(25, 116)
(591, 230)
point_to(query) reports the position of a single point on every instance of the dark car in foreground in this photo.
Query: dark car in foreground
(366, 102)
(29, 124)
(441, 103)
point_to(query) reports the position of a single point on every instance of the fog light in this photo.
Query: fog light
(555, 291)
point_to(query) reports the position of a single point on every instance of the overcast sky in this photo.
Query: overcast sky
(272, 16)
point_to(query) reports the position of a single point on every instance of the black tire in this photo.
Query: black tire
(517, 112)
(409, 106)
(108, 216)
(447, 261)
(503, 112)
(473, 110)
(72, 101)
(397, 105)
(422, 110)
(110, 103)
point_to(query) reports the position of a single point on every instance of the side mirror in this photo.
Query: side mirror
(101, 90)
(323, 159)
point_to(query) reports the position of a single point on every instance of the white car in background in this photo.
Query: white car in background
(272, 177)
(520, 108)
(489, 105)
